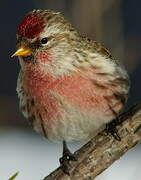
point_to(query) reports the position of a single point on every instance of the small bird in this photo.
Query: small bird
(69, 86)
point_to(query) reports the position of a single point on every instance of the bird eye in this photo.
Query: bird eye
(44, 40)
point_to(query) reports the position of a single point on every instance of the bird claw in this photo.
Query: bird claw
(112, 129)
(65, 161)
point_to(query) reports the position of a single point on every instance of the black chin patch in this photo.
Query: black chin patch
(29, 59)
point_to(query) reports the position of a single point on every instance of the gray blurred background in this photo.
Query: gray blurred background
(114, 23)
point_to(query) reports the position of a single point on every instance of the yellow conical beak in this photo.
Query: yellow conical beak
(22, 51)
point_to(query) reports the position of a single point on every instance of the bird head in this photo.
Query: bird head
(44, 37)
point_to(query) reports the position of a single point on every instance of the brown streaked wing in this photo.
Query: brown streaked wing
(101, 49)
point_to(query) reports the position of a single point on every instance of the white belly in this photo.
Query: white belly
(74, 125)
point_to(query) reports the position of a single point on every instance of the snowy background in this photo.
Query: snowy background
(34, 158)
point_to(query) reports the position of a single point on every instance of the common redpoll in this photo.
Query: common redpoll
(69, 86)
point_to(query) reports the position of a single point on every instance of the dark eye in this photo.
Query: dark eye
(44, 40)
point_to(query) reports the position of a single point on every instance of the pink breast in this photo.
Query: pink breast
(77, 90)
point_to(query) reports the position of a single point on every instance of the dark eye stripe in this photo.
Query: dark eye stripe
(36, 44)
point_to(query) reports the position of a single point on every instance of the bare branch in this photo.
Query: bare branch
(98, 154)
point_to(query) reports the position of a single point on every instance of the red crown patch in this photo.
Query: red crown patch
(31, 26)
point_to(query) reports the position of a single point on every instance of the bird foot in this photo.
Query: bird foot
(65, 161)
(111, 128)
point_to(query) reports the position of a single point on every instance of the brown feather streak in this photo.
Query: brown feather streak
(108, 99)
(42, 125)
(97, 84)
(121, 97)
